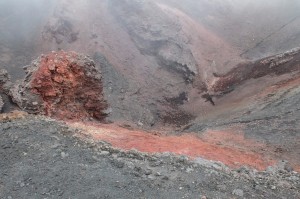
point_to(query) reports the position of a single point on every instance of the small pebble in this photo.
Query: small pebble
(238, 192)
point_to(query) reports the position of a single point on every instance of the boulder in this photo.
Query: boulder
(63, 85)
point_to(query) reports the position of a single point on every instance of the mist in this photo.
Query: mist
(21, 22)
(254, 28)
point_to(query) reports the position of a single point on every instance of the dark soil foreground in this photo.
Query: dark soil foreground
(43, 158)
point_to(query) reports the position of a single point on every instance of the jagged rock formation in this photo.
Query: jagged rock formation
(59, 30)
(282, 63)
(169, 48)
(1, 103)
(4, 85)
(4, 80)
(64, 85)
(174, 39)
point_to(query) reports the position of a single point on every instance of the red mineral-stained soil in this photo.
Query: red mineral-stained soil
(227, 146)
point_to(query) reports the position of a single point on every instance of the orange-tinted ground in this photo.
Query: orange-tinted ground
(228, 146)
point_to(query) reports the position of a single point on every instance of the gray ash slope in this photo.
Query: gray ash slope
(42, 158)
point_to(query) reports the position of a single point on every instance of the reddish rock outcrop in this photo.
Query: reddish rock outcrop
(283, 63)
(63, 85)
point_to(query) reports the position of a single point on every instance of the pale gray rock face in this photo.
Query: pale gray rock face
(20, 91)
(1, 104)
(4, 80)
(4, 85)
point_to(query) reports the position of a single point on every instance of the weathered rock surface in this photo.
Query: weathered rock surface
(4, 85)
(174, 39)
(64, 85)
(59, 30)
(1, 103)
(283, 63)
(4, 80)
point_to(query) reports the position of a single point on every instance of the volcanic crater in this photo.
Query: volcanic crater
(202, 80)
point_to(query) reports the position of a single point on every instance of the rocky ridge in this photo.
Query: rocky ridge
(283, 63)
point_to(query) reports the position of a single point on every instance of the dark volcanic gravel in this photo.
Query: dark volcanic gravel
(42, 158)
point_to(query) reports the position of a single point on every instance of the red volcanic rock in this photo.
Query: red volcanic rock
(63, 85)
(282, 63)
